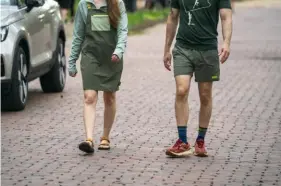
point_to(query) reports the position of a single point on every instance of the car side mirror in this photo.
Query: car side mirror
(31, 4)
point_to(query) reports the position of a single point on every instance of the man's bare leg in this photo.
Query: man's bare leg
(181, 102)
(181, 147)
(205, 94)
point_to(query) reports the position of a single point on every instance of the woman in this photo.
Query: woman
(100, 30)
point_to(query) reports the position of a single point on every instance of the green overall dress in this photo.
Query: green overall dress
(98, 71)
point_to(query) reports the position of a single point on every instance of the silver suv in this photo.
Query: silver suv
(32, 46)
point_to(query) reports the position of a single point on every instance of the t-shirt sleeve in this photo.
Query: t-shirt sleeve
(175, 4)
(224, 4)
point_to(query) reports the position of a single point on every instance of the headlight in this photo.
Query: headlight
(4, 33)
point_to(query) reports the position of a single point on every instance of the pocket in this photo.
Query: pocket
(98, 51)
(100, 23)
(175, 51)
(209, 57)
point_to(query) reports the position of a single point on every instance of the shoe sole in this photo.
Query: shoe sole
(85, 147)
(201, 154)
(177, 155)
(101, 147)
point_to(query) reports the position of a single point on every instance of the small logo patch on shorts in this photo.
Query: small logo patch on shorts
(214, 77)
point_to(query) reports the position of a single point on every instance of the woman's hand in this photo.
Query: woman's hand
(72, 70)
(115, 58)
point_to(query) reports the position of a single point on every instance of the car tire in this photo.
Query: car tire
(54, 80)
(16, 99)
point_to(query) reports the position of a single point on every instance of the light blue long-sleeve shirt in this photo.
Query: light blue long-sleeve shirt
(80, 26)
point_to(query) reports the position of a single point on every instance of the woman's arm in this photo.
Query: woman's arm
(122, 31)
(78, 34)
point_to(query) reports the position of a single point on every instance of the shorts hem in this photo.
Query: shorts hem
(184, 74)
(213, 80)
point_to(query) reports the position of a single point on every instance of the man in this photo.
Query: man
(196, 52)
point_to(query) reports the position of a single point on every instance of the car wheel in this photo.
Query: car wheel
(18, 94)
(54, 80)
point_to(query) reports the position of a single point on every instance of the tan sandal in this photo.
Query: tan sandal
(104, 144)
(87, 146)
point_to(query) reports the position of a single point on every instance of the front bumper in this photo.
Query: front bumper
(7, 53)
(6, 68)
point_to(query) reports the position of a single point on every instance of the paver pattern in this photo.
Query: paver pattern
(39, 145)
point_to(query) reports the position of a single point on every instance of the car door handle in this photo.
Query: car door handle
(52, 11)
(41, 17)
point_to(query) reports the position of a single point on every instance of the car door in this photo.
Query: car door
(48, 12)
(33, 25)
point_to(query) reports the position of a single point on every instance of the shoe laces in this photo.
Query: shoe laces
(178, 144)
(200, 143)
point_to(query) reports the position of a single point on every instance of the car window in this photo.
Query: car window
(5, 2)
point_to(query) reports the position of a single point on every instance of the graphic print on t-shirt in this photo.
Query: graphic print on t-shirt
(197, 5)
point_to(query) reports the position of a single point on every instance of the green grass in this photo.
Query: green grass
(76, 5)
(143, 16)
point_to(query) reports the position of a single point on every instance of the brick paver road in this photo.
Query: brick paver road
(39, 145)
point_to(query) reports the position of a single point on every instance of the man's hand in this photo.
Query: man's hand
(167, 60)
(224, 52)
(115, 58)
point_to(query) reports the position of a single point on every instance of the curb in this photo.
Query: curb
(145, 25)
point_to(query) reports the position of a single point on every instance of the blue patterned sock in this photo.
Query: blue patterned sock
(201, 133)
(182, 133)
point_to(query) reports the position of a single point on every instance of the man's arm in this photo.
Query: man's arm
(171, 28)
(226, 21)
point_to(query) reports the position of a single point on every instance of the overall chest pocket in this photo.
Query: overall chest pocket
(100, 23)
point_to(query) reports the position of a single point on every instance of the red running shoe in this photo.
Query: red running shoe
(180, 149)
(200, 149)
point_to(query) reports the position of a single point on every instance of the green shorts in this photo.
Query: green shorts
(204, 64)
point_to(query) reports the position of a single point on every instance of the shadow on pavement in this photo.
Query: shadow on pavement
(36, 98)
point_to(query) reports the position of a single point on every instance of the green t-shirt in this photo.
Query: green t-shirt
(198, 22)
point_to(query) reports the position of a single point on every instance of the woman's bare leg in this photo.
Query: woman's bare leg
(109, 112)
(90, 97)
